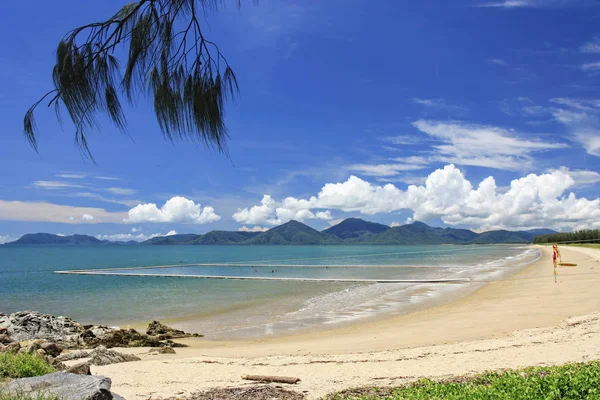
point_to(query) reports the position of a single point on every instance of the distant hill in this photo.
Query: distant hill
(349, 231)
(224, 237)
(48, 238)
(172, 239)
(356, 230)
(293, 232)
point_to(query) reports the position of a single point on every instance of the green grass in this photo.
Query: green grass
(590, 245)
(22, 366)
(569, 381)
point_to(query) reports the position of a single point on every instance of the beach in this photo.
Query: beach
(522, 320)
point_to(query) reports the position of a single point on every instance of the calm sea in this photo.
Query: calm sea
(232, 308)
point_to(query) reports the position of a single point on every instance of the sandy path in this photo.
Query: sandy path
(526, 319)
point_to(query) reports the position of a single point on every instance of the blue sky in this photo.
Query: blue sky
(476, 114)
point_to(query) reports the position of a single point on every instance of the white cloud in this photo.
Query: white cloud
(70, 176)
(274, 213)
(120, 191)
(583, 120)
(255, 228)
(482, 145)
(52, 185)
(497, 61)
(582, 177)
(537, 3)
(592, 46)
(140, 237)
(107, 178)
(177, 209)
(532, 201)
(440, 104)
(403, 140)
(6, 239)
(384, 169)
(48, 212)
(87, 217)
(96, 196)
(395, 224)
(134, 230)
(590, 67)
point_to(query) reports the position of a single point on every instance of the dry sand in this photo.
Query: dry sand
(525, 319)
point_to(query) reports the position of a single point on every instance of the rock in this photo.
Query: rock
(31, 346)
(5, 339)
(165, 332)
(69, 334)
(41, 354)
(119, 338)
(81, 369)
(13, 347)
(52, 349)
(57, 364)
(102, 356)
(73, 355)
(162, 350)
(62, 385)
(28, 325)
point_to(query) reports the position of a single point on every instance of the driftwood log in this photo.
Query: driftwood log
(268, 378)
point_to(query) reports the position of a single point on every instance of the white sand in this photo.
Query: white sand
(523, 320)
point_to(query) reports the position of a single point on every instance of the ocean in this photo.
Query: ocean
(233, 309)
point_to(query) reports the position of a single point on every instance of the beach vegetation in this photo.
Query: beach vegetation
(584, 235)
(569, 381)
(13, 366)
(167, 57)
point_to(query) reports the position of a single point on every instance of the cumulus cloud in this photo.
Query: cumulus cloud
(272, 212)
(176, 210)
(395, 224)
(87, 217)
(48, 212)
(532, 201)
(255, 228)
(139, 237)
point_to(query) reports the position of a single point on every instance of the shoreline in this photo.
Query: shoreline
(525, 319)
(454, 288)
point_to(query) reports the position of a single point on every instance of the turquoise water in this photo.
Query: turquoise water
(230, 308)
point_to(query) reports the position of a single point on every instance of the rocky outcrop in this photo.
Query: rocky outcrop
(29, 325)
(162, 331)
(62, 385)
(162, 350)
(102, 356)
(66, 333)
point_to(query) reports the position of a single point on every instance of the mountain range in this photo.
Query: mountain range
(349, 231)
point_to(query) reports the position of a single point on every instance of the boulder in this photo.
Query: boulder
(73, 355)
(118, 338)
(162, 350)
(31, 346)
(64, 386)
(13, 347)
(5, 339)
(81, 369)
(102, 356)
(41, 354)
(52, 349)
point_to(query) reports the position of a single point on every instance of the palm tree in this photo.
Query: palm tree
(168, 58)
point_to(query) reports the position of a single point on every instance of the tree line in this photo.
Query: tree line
(584, 235)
